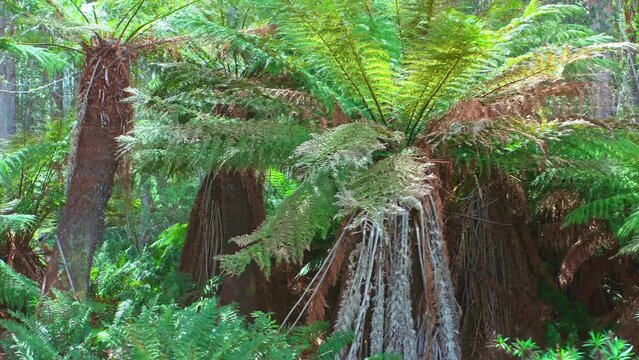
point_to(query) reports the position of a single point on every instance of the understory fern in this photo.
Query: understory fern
(598, 346)
(68, 329)
(17, 292)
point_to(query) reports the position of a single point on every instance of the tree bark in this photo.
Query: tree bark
(227, 205)
(601, 100)
(7, 85)
(93, 162)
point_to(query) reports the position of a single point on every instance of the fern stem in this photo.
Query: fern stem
(411, 134)
(333, 54)
(159, 17)
(366, 80)
(135, 12)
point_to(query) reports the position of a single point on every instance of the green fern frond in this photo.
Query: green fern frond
(17, 292)
(16, 222)
(345, 148)
(601, 208)
(382, 189)
(303, 216)
(630, 227)
(49, 60)
(216, 143)
(631, 247)
(10, 164)
(334, 344)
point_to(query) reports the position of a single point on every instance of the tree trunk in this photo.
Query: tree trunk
(602, 98)
(227, 205)
(93, 162)
(7, 85)
(57, 96)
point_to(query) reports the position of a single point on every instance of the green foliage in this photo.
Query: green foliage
(140, 312)
(68, 329)
(398, 64)
(338, 152)
(216, 143)
(574, 319)
(334, 344)
(32, 180)
(202, 330)
(288, 232)
(16, 291)
(601, 168)
(123, 272)
(50, 61)
(278, 187)
(388, 185)
(598, 346)
(255, 86)
(324, 166)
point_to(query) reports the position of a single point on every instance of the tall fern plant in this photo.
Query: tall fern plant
(398, 70)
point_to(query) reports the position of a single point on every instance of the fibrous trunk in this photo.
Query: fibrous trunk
(21, 257)
(397, 290)
(495, 267)
(228, 204)
(93, 162)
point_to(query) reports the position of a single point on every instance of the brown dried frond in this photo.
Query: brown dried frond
(165, 43)
(339, 117)
(513, 192)
(295, 97)
(583, 250)
(559, 203)
(496, 266)
(317, 309)
(262, 31)
(520, 103)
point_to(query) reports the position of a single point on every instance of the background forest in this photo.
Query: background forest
(333, 179)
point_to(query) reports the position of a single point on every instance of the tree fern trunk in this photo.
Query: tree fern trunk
(93, 162)
(227, 205)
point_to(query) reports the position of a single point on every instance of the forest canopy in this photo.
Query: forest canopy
(319, 179)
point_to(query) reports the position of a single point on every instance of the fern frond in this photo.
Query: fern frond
(49, 60)
(215, 143)
(385, 188)
(285, 235)
(345, 148)
(630, 248)
(10, 164)
(602, 208)
(16, 222)
(16, 291)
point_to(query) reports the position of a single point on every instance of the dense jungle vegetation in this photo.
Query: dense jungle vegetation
(319, 179)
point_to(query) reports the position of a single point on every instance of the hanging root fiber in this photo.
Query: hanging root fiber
(398, 296)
